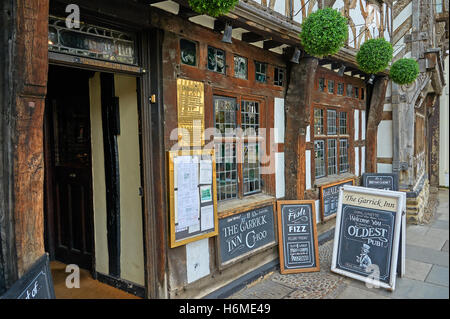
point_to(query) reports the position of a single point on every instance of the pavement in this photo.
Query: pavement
(426, 266)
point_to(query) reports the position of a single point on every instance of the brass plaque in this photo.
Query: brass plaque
(191, 112)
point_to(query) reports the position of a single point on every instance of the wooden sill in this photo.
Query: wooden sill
(236, 206)
(333, 179)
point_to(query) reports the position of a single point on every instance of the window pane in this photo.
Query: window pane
(319, 158)
(250, 117)
(318, 121)
(340, 89)
(188, 52)
(278, 77)
(331, 122)
(260, 72)
(225, 115)
(343, 155)
(356, 91)
(349, 90)
(250, 168)
(226, 170)
(343, 123)
(240, 67)
(362, 93)
(321, 84)
(332, 168)
(330, 86)
(216, 60)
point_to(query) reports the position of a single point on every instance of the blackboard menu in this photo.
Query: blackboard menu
(385, 181)
(37, 283)
(298, 245)
(244, 233)
(367, 235)
(329, 197)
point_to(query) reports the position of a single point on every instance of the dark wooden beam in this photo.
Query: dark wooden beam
(187, 13)
(252, 37)
(270, 44)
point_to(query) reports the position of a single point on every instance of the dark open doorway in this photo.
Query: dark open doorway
(69, 231)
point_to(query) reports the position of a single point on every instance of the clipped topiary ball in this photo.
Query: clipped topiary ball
(404, 71)
(374, 55)
(324, 32)
(212, 8)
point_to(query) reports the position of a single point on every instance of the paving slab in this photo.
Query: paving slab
(433, 239)
(416, 230)
(413, 289)
(427, 255)
(266, 289)
(351, 292)
(417, 270)
(440, 224)
(438, 275)
(443, 217)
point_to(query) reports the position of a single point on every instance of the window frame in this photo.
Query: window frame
(240, 141)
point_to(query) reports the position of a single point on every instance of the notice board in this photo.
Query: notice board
(329, 196)
(297, 232)
(387, 181)
(367, 235)
(36, 283)
(192, 196)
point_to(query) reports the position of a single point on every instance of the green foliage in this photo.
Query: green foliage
(374, 55)
(404, 71)
(212, 8)
(324, 32)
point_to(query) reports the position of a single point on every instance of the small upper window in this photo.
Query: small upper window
(349, 90)
(240, 67)
(260, 72)
(188, 52)
(321, 84)
(330, 86)
(362, 93)
(340, 89)
(278, 78)
(356, 92)
(216, 60)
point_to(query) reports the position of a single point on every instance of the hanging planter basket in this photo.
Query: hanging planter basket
(374, 55)
(213, 8)
(324, 32)
(404, 71)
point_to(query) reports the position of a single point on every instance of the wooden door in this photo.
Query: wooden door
(70, 188)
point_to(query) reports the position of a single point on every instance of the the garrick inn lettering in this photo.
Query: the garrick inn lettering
(238, 235)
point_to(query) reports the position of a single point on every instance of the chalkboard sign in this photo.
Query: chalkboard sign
(367, 235)
(297, 236)
(329, 196)
(37, 283)
(385, 181)
(389, 181)
(243, 234)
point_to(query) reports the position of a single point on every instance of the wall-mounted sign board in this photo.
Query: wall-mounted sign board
(191, 112)
(367, 235)
(297, 236)
(244, 234)
(192, 196)
(329, 196)
(37, 283)
(387, 181)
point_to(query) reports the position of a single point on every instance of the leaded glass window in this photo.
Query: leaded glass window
(260, 72)
(332, 160)
(240, 67)
(216, 60)
(319, 158)
(188, 52)
(278, 76)
(331, 122)
(343, 155)
(318, 121)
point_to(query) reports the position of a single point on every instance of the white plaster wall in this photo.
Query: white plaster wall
(317, 202)
(384, 168)
(280, 7)
(356, 124)
(363, 160)
(197, 260)
(443, 131)
(279, 175)
(363, 125)
(404, 14)
(357, 161)
(278, 120)
(384, 139)
(308, 169)
(308, 134)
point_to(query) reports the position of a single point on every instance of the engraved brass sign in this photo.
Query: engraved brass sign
(191, 112)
